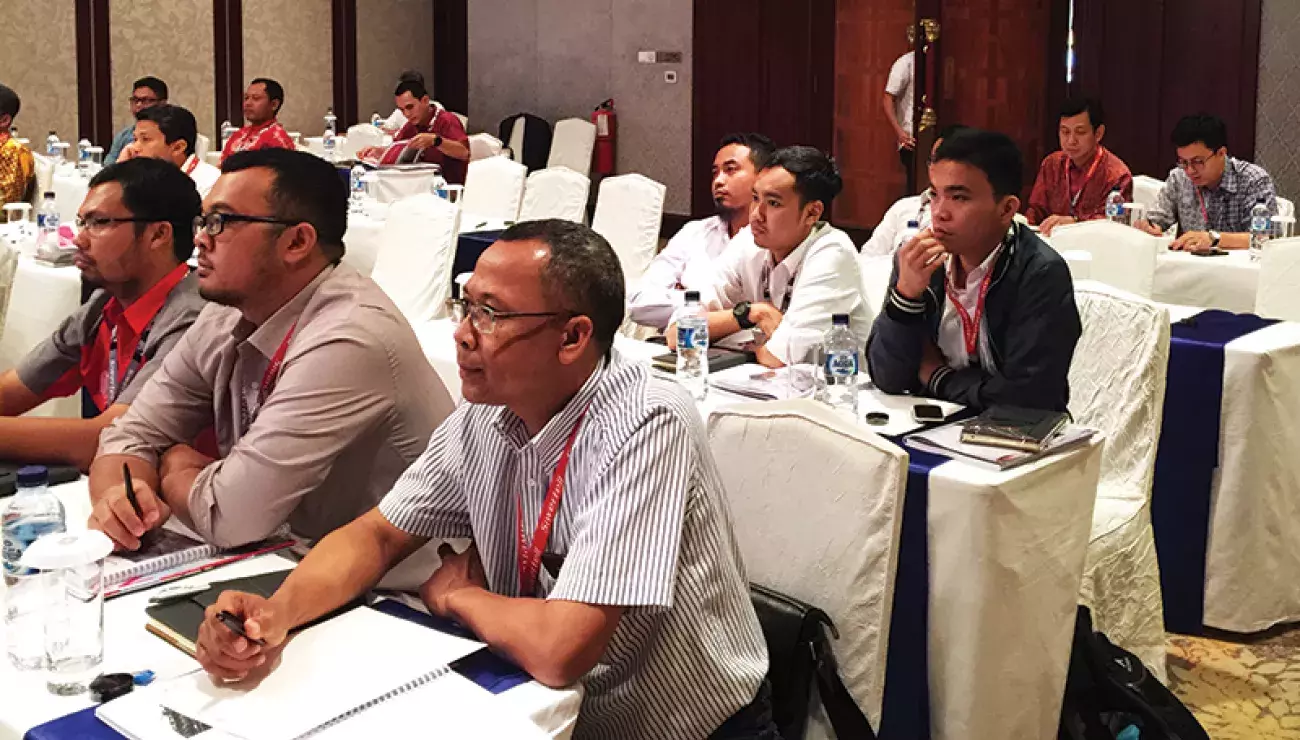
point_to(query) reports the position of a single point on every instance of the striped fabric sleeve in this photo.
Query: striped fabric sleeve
(626, 547)
(428, 500)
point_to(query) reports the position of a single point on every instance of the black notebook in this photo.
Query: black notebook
(1014, 428)
(719, 359)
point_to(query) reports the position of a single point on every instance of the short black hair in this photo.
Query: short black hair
(1208, 129)
(10, 103)
(306, 188)
(175, 123)
(947, 131)
(274, 90)
(415, 88)
(582, 274)
(160, 192)
(991, 152)
(761, 148)
(153, 83)
(1075, 106)
(816, 177)
(411, 75)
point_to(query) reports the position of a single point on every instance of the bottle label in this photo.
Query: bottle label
(841, 364)
(690, 337)
(18, 536)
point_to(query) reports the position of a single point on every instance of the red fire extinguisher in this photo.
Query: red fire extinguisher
(606, 120)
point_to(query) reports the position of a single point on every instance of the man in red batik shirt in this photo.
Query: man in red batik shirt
(431, 134)
(1073, 184)
(262, 102)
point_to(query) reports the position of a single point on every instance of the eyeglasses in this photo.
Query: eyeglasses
(133, 100)
(96, 225)
(1195, 163)
(484, 318)
(215, 223)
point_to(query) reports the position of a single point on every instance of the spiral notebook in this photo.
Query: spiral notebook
(172, 552)
(333, 673)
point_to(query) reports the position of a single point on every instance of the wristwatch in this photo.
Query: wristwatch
(1214, 238)
(741, 312)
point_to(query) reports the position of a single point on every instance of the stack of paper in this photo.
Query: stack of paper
(946, 440)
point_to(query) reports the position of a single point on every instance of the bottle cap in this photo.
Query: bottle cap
(913, 224)
(692, 295)
(840, 319)
(49, 194)
(67, 550)
(33, 475)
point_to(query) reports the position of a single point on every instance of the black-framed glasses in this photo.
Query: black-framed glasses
(215, 223)
(484, 318)
(1195, 163)
(142, 101)
(96, 225)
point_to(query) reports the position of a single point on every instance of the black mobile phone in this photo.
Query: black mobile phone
(926, 413)
(1216, 252)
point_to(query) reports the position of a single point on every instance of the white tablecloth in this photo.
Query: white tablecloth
(1228, 282)
(43, 297)
(1006, 560)
(362, 241)
(128, 647)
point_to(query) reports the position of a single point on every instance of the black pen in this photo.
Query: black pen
(130, 491)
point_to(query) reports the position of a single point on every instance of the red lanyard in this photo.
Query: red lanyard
(269, 379)
(191, 165)
(1205, 214)
(970, 326)
(530, 556)
(1074, 199)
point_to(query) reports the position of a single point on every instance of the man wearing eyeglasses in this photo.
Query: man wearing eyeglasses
(133, 237)
(1210, 194)
(317, 387)
(145, 93)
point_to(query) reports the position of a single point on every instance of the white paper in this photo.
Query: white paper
(946, 440)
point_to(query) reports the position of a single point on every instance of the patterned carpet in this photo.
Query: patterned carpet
(1240, 687)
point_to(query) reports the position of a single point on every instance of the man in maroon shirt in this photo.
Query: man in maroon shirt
(1073, 183)
(431, 134)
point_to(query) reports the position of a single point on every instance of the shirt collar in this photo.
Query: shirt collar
(551, 440)
(989, 262)
(141, 312)
(251, 129)
(267, 337)
(795, 258)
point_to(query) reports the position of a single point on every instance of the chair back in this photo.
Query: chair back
(202, 145)
(494, 189)
(1121, 255)
(44, 168)
(818, 521)
(8, 269)
(555, 192)
(482, 146)
(1080, 263)
(1279, 280)
(362, 136)
(629, 213)
(1285, 207)
(416, 250)
(1117, 385)
(572, 145)
(1146, 191)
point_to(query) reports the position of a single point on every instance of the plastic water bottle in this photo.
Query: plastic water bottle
(840, 355)
(693, 346)
(376, 120)
(1115, 206)
(357, 182)
(52, 144)
(83, 157)
(47, 223)
(1261, 229)
(226, 132)
(31, 513)
(909, 233)
(328, 139)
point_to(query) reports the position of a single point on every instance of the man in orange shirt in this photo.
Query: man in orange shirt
(262, 103)
(17, 167)
(1073, 183)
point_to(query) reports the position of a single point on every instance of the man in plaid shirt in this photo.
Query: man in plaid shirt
(262, 102)
(1209, 194)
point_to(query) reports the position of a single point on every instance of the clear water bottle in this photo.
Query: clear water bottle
(840, 355)
(693, 346)
(376, 120)
(30, 514)
(1115, 206)
(1261, 229)
(331, 122)
(226, 132)
(357, 183)
(909, 233)
(47, 224)
(51, 144)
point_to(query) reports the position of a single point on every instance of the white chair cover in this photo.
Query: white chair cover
(361, 136)
(1117, 385)
(482, 146)
(876, 270)
(44, 178)
(517, 140)
(1279, 280)
(69, 191)
(572, 145)
(1080, 263)
(391, 185)
(1146, 190)
(818, 521)
(555, 192)
(416, 251)
(494, 189)
(202, 145)
(1121, 256)
(464, 120)
(1285, 207)
(629, 213)
(8, 268)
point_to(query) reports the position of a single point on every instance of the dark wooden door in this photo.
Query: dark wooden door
(760, 65)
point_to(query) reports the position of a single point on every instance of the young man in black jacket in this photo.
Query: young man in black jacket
(981, 311)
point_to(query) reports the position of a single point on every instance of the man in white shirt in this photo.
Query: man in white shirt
(799, 271)
(897, 102)
(687, 262)
(887, 237)
(168, 132)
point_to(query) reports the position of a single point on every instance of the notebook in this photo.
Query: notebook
(172, 552)
(332, 680)
(178, 621)
(1014, 428)
(947, 440)
(719, 359)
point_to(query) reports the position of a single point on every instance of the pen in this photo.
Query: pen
(130, 491)
(236, 625)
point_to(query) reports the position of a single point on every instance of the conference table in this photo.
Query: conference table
(128, 647)
(1005, 554)
(1228, 282)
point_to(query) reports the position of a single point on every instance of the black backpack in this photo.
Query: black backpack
(1107, 689)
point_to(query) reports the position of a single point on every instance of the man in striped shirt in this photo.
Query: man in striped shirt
(603, 550)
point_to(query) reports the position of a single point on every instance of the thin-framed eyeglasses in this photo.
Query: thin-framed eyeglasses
(215, 223)
(133, 100)
(96, 225)
(1195, 163)
(484, 318)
